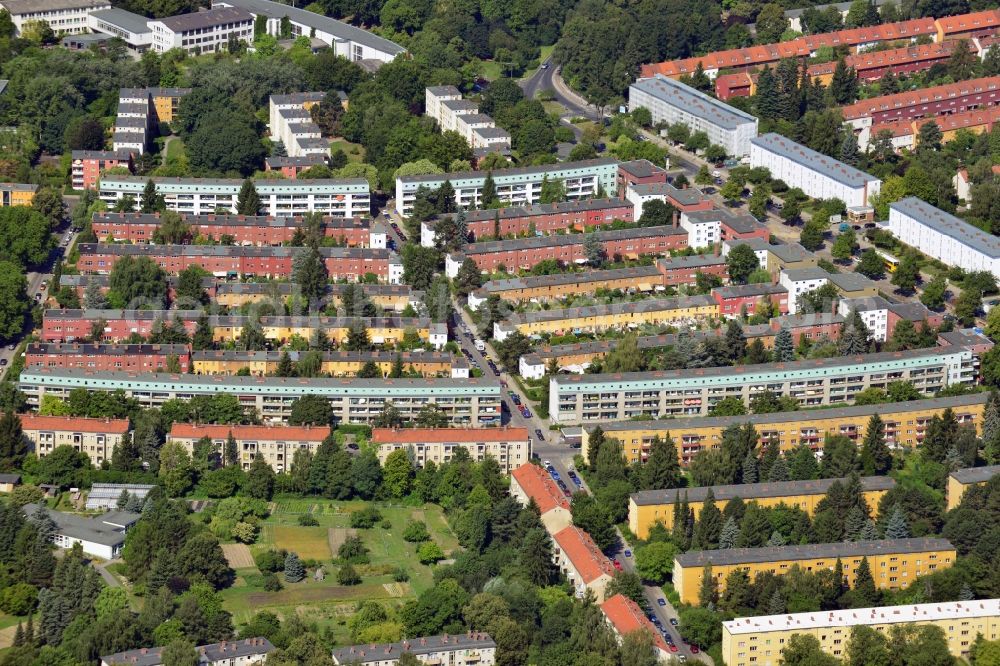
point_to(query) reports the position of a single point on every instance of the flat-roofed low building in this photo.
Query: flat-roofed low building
(276, 445)
(17, 194)
(799, 281)
(894, 563)
(581, 561)
(683, 199)
(626, 617)
(97, 438)
(648, 507)
(758, 641)
(472, 402)
(100, 536)
(471, 649)
(529, 483)
(207, 31)
(510, 447)
(961, 480)
(905, 425)
(132, 29)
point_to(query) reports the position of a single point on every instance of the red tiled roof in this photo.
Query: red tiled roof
(586, 557)
(626, 617)
(539, 486)
(437, 435)
(879, 59)
(965, 22)
(913, 97)
(73, 424)
(946, 123)
(242, 432)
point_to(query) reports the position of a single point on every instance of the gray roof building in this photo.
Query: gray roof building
(755, 490)
(224, 653)
(695, 102)
(802, 274)
(127, 21)
(949, 225)
(808, 158)
(389, 652)
(205, 19)
(730, 556)
(975, 474)
(107, 529)
(569, 239)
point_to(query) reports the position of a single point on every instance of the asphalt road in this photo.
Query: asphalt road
(547, 77)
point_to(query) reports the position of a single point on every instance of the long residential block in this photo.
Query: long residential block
(343, 197)
(236, 294)
(819, 176)
(472, 402)
(509, 447)
(471, 649)
(274, 444)
(758, 641)
(517, 186)
(894, 563)
(671, 102)
(649, 507)
(813, 383)
(581, 561)
(230, 261)
(332, 363)
(943, 236)
(243, 652)
(134, 358)
(961, 480)
(530, 483)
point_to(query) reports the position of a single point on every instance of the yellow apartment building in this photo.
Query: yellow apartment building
(758, 641)
(388, 297)
(905, 423)
(894, 563)
(648, 507)
(167, 101)
(962, 479)
(335, 364)
(275, 444)
(17, 194)
(97, 438)
(381, 330)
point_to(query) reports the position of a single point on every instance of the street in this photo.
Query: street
(547, 77)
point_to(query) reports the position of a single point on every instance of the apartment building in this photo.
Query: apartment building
(962, 479)
(734, 300)
(291, 123)
(65, 17)
(291, 167)
(530, 483)
(275, 444)
(339, 197)
(472, 402)
(517, 185)
(598, 318)
(134, 358)
(113, 325)
(639, 172)
(229, 261)
(648, 507)
(97, 438)
(243, 652)
(683, 199)
(235, 294)
(510, 447)
(925, 103)
(894, 563)
(581, 561)
(800, 281)
(554, 218)
(471, 649)
(88, 165)
(625, 617)
(672, 271)
(347, 41)
(258, 230)
(567, 248)
(670, 101)
(452, 113)
(704, 227)
(132, 29)
(943, 236)
(758, 641)
(819, 176)
(17, 194)
(906, 133)
(333, 363)
(209, 31)
(813, 383)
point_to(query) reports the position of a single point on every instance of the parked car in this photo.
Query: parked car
(618, 565)
(628, 553)
(515, 398)
(526, 413)
(673, 621)
(694, 649)
(661, 601)
(673, 648)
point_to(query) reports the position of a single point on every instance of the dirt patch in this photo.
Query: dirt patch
(7, 636)
(306, 595)
(418, 514)
(397, 589)
(338, 535)
(238, 555)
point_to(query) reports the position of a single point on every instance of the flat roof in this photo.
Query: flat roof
(836, 170)
(851, 281)
(93, 529)
(687, 196)
(513, 171)
(730, 556)
(693, 101)
(942, 610)
(800, 274)
(975, 474)
(754, 490)
(640, 168)
(948, 225)
(123, 19)
(205, 19)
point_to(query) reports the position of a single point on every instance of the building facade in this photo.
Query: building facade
(509, 447)
(943, 236)
(97, 438)
(135, 358)
(581, 561)
(530, 483)
(275, 445)
(65, 17)
(471, 649)
(88, 165)
(243, 652)
(961, 480)
(209, 31)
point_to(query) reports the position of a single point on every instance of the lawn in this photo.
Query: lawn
(175, 149)
(355, 151)
(326, 602)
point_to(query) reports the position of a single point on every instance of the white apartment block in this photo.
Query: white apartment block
(65, 17)
(944, 237)
(242, 652)
(202, 32)
(517, 186)
(346, 40)
(799, 281)
(819, 176)
(704, 227)
(874, 312)
(133, 29)
(673, 102)
(452, 113)
(340, 197)
(434, 95)
(510, 447)
(290, 121)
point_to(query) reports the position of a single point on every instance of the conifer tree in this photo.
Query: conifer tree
(231, 453)
(248, 201)
(709, 525)
(662, 469)
(729, 535)
(864, 585)
(708, 594)
(294, 571)
(784, 347)
(779, 470)
(897, 527)
(876, 458)
(750, 468)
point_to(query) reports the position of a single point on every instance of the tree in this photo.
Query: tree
(310, 273)
(732, 190)
(934, 293)
(662, 469)
(468, 278)
(844, 246)
(741, 261)
(189, 286)
(784, 348)
(13, 300)
(655, 561)
(929, 137)
(656, 213)
(488, 194)
(294, 571)
(150, 201)
(805, 650)
(844, 84)
(709, 526)
(864, 592)
(180, 652)
(708, 591)
(897, 526)
(907, 274)
(176, 470)
(248, 201)
(771, 23)
(311, 409)
(137, 282)
(968, 305)
(327, 115)
(13, 445)
(812, 235)
(260, 480)
(593, 518)
(871, 265)
(876, 458)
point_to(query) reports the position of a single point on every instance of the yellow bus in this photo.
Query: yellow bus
(891, 262)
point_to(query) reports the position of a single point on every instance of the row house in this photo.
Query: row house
(333, 363)
(85, 356)
(112, 325)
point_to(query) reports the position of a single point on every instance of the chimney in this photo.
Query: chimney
(675, 218)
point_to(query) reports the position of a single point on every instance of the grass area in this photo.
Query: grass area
(355, 151)
(175, 149)
(326, 602)
(554, 107)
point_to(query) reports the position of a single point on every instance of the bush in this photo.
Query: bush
(386, 524)
(400, 575)
(270, 561)
(272, 583)
(353, 551)
(366, 518)
(308, 520)
(416, 532)
(348, 576)
(429, 553)
(19, 599)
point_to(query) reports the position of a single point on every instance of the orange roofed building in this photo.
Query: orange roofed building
(275, 444)
(625, 617)
(531, 482)
(95, 437)
(582, 562)
(510, 447)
